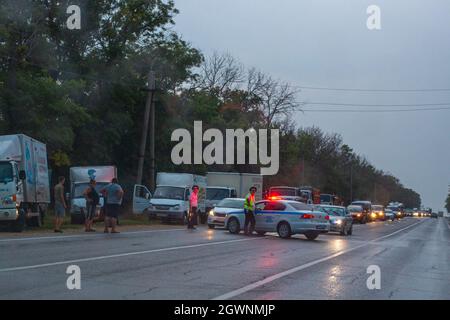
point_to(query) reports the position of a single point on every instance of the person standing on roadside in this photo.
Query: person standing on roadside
(193, 206)
(114, 196)
(92, 199)
(60, 204)
(249, 209)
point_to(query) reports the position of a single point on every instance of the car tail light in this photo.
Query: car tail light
(307, 216)
(327, 217)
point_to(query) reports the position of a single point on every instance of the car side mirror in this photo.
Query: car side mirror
(22, 175)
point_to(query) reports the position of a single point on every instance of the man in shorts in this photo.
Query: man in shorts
(60, 204)
(114, 196)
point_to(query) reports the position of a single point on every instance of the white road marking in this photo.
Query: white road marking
(125, 254)
(85, 235)
(277, 276)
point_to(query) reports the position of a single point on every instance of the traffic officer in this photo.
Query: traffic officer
(193, 205)
(249, 209)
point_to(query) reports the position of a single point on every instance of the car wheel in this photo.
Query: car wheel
(311, 235)
(284, 230)
(211, 226)
(233, 226)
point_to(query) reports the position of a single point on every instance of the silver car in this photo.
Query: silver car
(340, 220)
(285, 217)
(216, 216)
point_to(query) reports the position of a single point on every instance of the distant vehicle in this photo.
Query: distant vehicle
(310, 195)
(241, 182)
(398, 211)
(286, 193)
(378, 212)
(357, 213)
(367, 210)
(340, 220)
(216, 215)
(286, 217)
(215, 194)
(79, 182)
(24, 181)
(327, 199)
(434, 215)
(441, 214)
(170, 201)
(389, 214)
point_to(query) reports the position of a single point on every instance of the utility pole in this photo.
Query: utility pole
(148, 106)
(351, 182)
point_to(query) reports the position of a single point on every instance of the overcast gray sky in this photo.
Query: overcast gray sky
(325, 43)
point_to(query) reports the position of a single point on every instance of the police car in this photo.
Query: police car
(285, 217)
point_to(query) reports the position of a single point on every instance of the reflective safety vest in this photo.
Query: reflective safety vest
(249, 203)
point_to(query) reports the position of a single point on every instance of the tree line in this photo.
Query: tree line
(82, 92)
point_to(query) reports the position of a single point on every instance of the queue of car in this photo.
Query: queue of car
(286, 216)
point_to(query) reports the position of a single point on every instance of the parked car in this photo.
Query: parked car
(216, 216)
(286, 217)
(389, 214)
(340, 220)
(357, 213)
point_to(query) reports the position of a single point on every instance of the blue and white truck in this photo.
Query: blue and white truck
(24, 181)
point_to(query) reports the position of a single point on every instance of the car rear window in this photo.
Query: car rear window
(274, 206)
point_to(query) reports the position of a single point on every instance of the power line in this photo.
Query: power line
(370, 90)
(374, 111)
(376, 105)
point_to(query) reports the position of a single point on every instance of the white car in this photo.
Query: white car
(283, 216)
(216, 216)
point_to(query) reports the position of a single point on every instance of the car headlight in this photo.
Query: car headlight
(338, 222)
(358, 215)
(211, 212)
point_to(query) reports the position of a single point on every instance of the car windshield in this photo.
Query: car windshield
(333, 211)
(282, 192)
(231, 203)
(6, 172)
(394, 208)
(377, 208)
(216, 193)
(325, 198)
(300, 206)
(175, 193)
(354, 209)
(78, 191)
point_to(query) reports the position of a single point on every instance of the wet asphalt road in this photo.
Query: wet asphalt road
(413, 256)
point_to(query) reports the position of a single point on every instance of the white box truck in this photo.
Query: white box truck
(240, 182)
(79, 181)
(24, 181)
(170, 200)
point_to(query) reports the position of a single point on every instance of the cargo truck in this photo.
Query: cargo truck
(24, 181)
(241, 182)
(79, 182)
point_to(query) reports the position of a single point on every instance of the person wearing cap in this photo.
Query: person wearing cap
(193, 205)
(249, 209)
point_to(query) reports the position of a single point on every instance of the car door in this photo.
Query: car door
(141, 199)
(270, 215)
(259, 215)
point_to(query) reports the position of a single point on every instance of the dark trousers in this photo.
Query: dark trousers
(192, 218)
(249, 220)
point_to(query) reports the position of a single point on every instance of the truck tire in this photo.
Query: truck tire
(19, 224)
(77, 218)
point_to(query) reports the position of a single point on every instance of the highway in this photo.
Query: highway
(412, 254)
